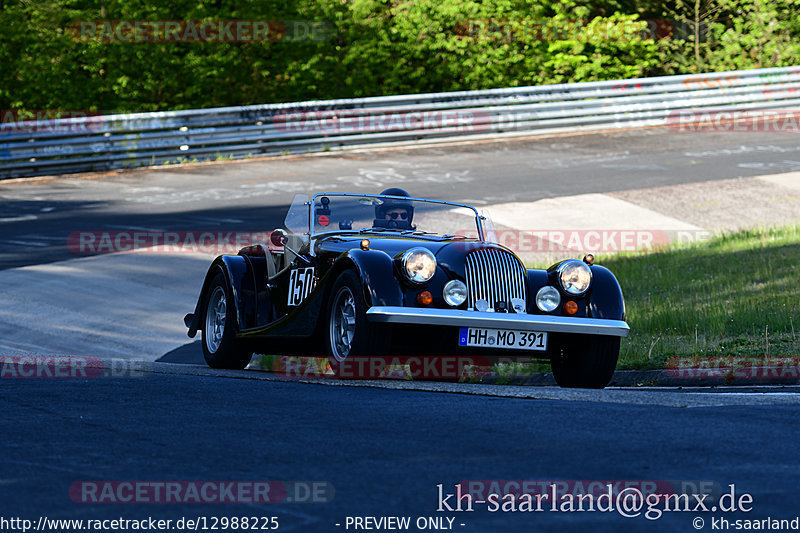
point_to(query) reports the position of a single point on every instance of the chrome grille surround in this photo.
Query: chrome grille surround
(494, 274)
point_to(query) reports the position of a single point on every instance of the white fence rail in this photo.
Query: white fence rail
(117, 141)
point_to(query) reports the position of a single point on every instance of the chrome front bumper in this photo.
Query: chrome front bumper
(478, 319)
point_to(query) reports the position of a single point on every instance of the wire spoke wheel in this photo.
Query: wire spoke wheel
(221, 347)
(342, 323)
(215, 319)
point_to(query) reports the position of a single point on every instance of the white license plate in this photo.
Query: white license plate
(510, 339)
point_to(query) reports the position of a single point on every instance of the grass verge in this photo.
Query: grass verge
(737, 295)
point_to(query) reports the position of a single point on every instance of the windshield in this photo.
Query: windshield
(297, 218)
(339, 212)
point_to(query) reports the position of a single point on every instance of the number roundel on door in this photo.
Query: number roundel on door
(301, 282)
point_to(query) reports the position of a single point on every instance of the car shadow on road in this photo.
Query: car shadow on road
(188, 354)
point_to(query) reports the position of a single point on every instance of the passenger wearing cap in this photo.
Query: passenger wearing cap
(394, 213)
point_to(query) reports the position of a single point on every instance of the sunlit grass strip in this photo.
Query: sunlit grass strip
(735, 295)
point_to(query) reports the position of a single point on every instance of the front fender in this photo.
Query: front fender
(376, 271)
(238, 277)
(536, 280)
(605, 298)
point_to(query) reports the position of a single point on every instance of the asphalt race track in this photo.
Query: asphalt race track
(384, 451)
(375, 449)
(37, 215)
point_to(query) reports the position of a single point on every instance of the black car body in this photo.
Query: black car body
(343, 289)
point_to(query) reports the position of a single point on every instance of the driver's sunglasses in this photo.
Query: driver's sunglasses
(394, 216)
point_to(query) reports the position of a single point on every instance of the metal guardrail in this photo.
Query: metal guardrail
(128, 140)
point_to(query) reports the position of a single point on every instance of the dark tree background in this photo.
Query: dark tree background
(372, 47)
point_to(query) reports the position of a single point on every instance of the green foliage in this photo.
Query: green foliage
(614, 49)
(761, 33)
(371, 47)
(732, 34)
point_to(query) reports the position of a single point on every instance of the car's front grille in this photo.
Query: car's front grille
(494, 275)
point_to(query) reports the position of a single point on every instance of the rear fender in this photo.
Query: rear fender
(239, 278)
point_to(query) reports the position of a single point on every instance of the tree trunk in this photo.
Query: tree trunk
(697, 33)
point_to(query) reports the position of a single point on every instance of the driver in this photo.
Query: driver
(394, 213)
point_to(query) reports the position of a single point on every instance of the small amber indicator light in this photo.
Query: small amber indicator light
(570, 307)
(365, 244)
(425, 298)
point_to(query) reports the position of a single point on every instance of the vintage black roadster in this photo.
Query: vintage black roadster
(366, 275)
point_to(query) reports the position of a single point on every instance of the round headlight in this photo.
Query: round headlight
(455, 292)
(548, 299)
(574, 276)
(419, 265)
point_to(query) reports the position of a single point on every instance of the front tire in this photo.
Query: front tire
(586, 362)
(221, 349)
(349, 334)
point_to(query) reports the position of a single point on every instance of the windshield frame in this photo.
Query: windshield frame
(312, 202)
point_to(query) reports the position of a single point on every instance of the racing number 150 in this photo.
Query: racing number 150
(301, 281)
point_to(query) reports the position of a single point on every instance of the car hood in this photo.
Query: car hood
(448, 252)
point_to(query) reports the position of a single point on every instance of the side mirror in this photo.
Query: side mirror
(278, 237)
